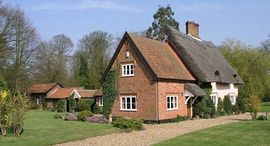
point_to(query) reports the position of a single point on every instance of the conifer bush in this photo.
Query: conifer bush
(227, 105)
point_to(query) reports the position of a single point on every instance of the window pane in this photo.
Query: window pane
(175, 102)
(131, 69)
(168, 102)
(133, 103)
(127, 69)
(124, 70)
(123, 103)
(128, 103)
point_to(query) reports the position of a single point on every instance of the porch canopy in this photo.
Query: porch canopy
(192, 90)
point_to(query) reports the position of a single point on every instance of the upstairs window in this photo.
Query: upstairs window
(232, 98)
(214, 97)
(127, 70)
(172, 102)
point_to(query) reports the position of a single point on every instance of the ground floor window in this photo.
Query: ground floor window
(100, 101)
(214, 97)
(38, 100)
(128, 103)
(232, 98)
(172, 102)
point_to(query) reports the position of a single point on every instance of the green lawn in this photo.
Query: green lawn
(251, 133)
(42, 129)
(265, 107)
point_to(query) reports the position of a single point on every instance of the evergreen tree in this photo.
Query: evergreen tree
(84, 72)
(164, 16)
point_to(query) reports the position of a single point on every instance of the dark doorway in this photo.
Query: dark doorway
(68, 106)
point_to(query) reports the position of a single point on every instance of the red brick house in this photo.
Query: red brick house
(156, 82)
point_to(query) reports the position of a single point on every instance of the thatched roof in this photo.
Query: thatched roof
(202, 58)
(194, 89)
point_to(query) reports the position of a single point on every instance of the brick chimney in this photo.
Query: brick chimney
(192, 29)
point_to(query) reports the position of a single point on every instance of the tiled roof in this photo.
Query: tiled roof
(41, 88)
(162, 59)
(86, 93)
(99, 92)
(61, 93)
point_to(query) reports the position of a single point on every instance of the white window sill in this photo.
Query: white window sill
(128, 110)
(127, 76)
(171, 109)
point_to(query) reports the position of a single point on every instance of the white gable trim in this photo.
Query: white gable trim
(77, 95)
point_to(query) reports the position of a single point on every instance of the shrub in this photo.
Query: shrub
(210, 104)
(207, 113)
(97, 109)
(58, 116)
(71, 117)
(127, 124)
(19, 105)
(84, 104)
(254, 104)
(262, 117)
(83, 114)
(240, 104)
(179, 118)
(4, 110)
(235, 109)
(220, 107)
(227, 105)
(60, 106)
(199, 106)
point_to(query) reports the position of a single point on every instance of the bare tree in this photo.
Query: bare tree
(19, 37)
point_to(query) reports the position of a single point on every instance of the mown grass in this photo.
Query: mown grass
(265, 107)
(42, 129)
(251, 133)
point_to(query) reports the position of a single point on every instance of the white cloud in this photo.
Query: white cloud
(199, 7)
(86, 5)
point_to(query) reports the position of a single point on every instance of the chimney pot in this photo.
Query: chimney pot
(192, 29)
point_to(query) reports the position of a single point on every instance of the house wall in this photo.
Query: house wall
(224, 89)
(141, 85)
(168, 88)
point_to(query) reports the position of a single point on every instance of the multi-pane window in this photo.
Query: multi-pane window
(232, 98)
(172, 102)
(128, 103)
(100, 101)
(214, 97)
(127, 70)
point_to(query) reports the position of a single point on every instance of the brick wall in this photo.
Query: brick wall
(141, 85)
(169, 88)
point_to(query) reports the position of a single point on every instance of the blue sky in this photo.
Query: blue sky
(246, 20)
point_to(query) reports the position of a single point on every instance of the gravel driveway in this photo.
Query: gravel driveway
(155, 133)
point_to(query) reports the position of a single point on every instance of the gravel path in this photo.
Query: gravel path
(155, 133)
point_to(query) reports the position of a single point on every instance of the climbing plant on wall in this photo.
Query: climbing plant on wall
(109, 92)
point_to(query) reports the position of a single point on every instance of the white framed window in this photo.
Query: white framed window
(100, 101)
(214, 97)
(128, 103)
(172, 102)
(38, 100)
(127, 70)
(232, 98)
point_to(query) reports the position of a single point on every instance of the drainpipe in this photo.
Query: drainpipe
(157, 103)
